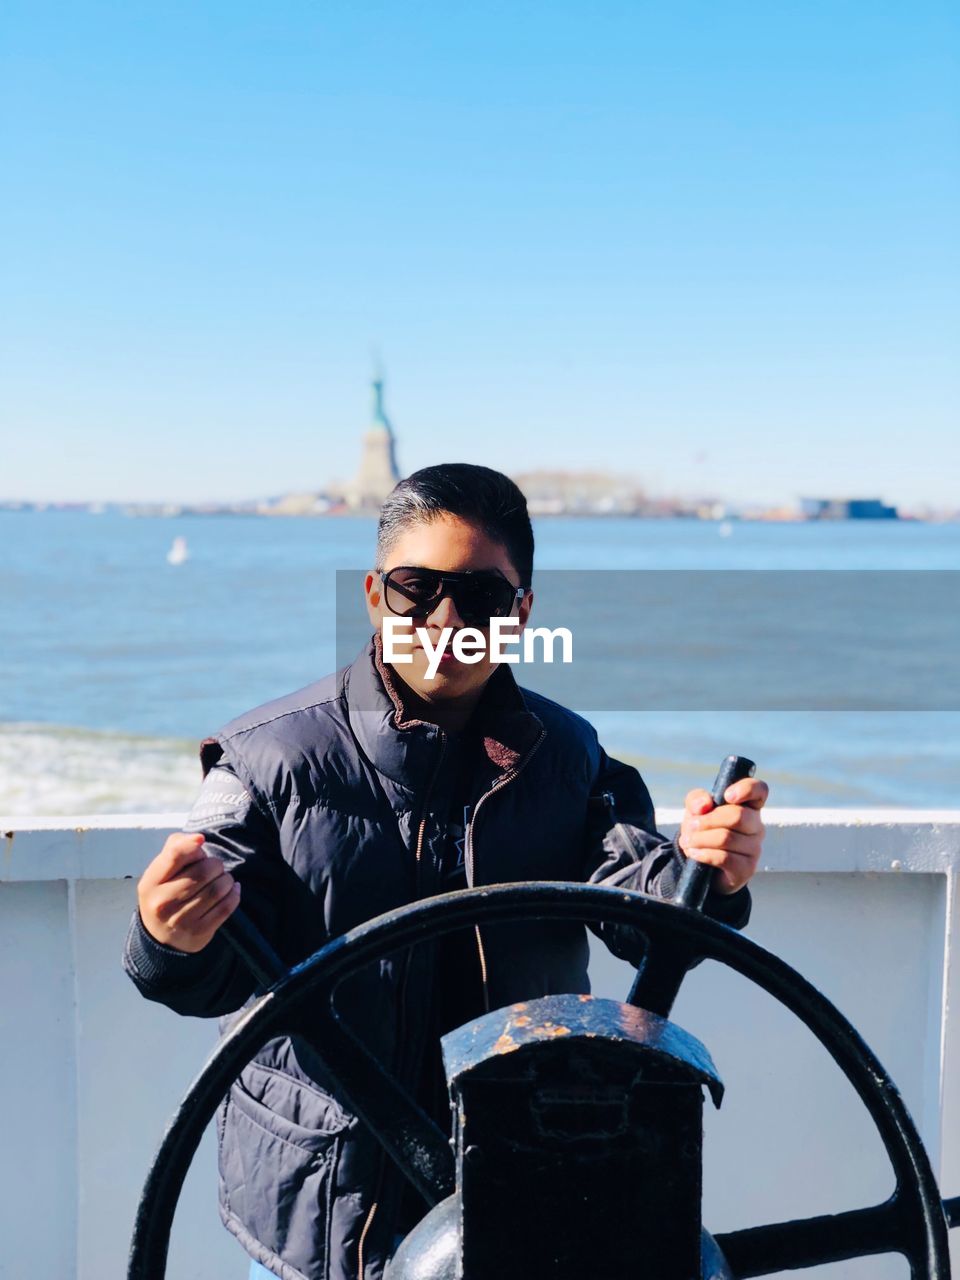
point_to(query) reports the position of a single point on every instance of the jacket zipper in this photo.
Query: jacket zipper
(366, 1228)
(418, 854)
(403, 994)
(469, 858)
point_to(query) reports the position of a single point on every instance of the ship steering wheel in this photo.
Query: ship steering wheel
(913, 1221)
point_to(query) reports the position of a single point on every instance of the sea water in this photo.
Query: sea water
(117, 657)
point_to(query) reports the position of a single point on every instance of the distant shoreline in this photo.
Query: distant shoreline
(173, 511)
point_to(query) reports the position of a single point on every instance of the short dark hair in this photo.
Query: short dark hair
(481, 495)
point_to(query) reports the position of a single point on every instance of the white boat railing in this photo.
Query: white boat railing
(863, 902)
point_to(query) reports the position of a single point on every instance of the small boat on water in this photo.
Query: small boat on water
(178, 552)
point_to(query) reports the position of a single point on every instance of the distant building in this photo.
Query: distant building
(599, 493)
(298, 504)
(846, 509)
(378, 471)
(870, 509)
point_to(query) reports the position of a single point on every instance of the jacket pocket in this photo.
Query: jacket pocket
(279, 1145)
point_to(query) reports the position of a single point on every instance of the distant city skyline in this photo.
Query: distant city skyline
(714, 247)
(350, 484)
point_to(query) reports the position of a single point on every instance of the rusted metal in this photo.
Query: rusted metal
(579, 1133)
(584, 1018)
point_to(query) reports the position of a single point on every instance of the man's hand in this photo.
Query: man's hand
(185, 895)
(728, 836)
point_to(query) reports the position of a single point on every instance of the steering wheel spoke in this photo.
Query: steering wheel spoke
(418, 1146)
(812, 1242)
(661, 973)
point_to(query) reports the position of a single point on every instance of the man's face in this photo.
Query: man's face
(452, 545)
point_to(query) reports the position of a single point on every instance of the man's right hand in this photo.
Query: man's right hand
(185, 895)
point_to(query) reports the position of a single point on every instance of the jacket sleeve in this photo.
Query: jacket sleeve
(623, 847)
(243, 834)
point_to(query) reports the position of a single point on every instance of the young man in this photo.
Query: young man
(374, 787)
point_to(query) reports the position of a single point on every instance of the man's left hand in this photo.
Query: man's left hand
(727, 836)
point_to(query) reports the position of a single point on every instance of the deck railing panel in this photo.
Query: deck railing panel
(864, 903)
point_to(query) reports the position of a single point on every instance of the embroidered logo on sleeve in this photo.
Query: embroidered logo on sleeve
(222, 798)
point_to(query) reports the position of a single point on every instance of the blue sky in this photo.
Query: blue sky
(715, 245)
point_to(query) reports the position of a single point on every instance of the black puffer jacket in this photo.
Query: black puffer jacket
(328, 806)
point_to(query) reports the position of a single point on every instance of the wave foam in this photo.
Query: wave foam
(49, 770)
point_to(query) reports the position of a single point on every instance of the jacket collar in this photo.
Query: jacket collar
(404, 748)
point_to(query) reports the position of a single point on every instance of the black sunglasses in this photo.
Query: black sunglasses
(479, 595)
